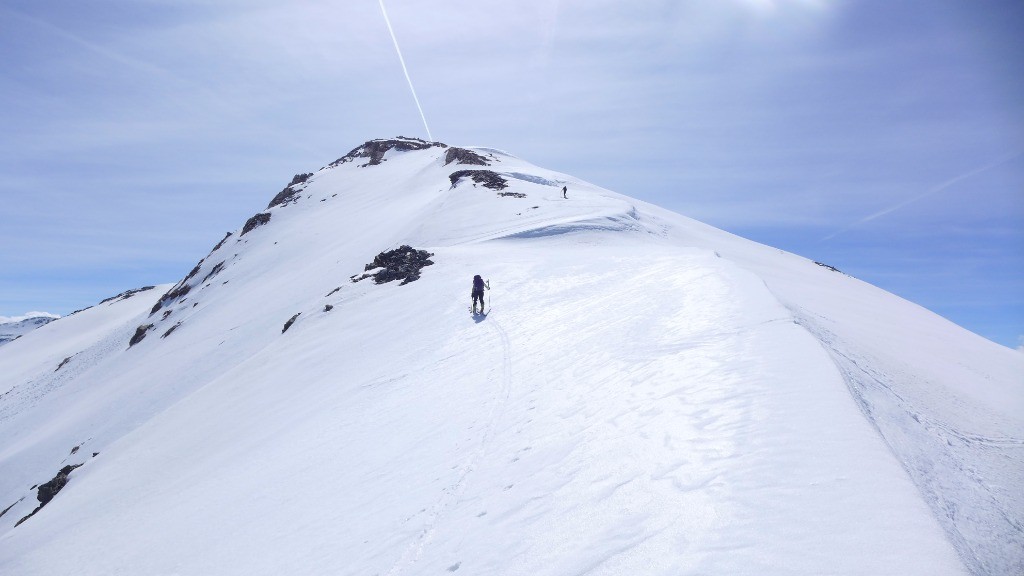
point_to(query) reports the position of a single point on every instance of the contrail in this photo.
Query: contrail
(923, 195)
(404, 69)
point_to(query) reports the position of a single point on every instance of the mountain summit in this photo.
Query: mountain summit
(645, 395)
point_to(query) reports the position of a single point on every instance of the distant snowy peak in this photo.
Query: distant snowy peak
(16, 327)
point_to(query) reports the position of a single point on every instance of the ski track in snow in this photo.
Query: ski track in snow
(452, 495)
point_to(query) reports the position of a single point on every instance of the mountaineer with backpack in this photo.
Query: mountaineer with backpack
(478, 292)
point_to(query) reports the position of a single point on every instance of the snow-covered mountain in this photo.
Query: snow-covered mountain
(16, 327)
(646, 395)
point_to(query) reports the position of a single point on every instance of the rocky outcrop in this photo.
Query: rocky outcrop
(171, 329)
(254, 222)
(290, 192)
(49, 489)
(213, 272)
(140, 333)
(487, 178)
(376, 149)
(463, 156)
(403, 263)
(126, 294)
(221, 243)
(289, 323)
(832, 268)
(178, 291)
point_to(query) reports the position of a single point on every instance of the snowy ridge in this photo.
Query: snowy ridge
(14, 328)
(647, 395)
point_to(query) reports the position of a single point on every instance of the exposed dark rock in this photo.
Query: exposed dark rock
(172, 295)
(333, 291)
(166, 314)
(512, 194)
(289, 323)
(375, 150)
(300, 178)
(832, 268)
(328, 308)
(213, 272)
(489, 179)
(290, 191)
(140, 333)
(463, 156)
(75, 449)
(403, 263)
(221, 243)
(171, 329)
(61, 365)
(126, 294)
(283, 197)
(49, 489)
(6, 510)
(257, 220)
(193, 272)
(180, 289)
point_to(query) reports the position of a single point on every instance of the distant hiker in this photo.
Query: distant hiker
(564, 192)
(478, 291)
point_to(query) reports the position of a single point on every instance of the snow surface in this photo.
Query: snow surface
(647, 395)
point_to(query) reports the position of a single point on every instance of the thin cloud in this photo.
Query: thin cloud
(139, 65)
(223, 106)
(26, 316)
(923, 195)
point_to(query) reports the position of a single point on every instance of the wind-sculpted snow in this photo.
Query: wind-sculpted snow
(532, 178)
(647, 395)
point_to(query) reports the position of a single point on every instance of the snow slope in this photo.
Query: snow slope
(647, 395)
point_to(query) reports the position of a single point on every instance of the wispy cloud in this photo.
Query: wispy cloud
(930, 192)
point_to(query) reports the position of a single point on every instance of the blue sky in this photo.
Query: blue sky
(883, 138)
